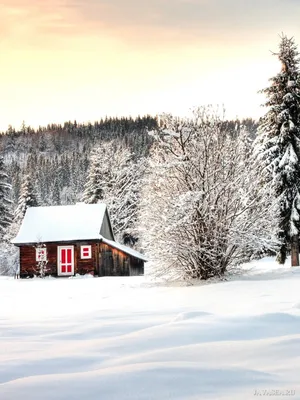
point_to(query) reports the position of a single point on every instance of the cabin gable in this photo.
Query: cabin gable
(106, 228)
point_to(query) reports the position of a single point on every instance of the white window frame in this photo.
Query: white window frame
(59, 272)
(39, 250)
(83, 257)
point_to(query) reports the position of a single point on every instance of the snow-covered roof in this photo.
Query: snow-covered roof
(67, 223)
(61, 223)
(125, 249)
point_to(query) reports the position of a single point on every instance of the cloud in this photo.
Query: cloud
(35, 22)
(157, 22)
(189, 17)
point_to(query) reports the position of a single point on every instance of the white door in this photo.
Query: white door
(65, 260)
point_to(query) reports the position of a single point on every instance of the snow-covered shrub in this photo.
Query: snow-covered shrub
(42, 260)
(9, 259)
(202, 209)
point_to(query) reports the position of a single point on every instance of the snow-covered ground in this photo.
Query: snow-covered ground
(126, 338)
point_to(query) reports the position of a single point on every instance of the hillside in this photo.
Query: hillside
(128, 338)
(56, 157)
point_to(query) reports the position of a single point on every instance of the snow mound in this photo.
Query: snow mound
(190, 315)
(117, 338)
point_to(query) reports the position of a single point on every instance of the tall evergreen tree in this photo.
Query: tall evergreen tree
(279, 146)
(27, 198)
(5, 200)
(55, 192)
(93, 190)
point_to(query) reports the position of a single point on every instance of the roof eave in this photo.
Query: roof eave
(56, 241)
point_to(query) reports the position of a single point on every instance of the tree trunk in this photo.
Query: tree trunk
(295, 251)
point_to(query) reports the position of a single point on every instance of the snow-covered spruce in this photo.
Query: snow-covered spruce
(8, 253)
(114, 177)
(9, 257)
(202, 210)
(278, 146)
(5, 200)
(27, 198)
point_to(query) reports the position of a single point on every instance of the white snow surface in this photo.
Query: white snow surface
(134, 339)
(61, 223)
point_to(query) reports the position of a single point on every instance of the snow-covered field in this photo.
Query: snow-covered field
(125, 338)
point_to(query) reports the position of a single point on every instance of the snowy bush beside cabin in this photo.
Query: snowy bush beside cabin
(202, 208)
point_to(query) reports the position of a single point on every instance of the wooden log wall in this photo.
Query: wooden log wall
(113, 262)
(28, 264)
(86, 266)
(105, 261)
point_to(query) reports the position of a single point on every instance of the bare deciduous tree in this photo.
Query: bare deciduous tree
(202, 210)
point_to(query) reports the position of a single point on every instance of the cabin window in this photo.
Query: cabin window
(86, 251)
(40, 254)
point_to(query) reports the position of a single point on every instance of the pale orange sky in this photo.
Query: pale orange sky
(84, 59)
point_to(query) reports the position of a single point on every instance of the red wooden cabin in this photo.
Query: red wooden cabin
(76, 239)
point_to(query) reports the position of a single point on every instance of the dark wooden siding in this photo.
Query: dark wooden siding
(86, 266)
(105, 261)
(113, 262)
(28, 264)
(27, 261)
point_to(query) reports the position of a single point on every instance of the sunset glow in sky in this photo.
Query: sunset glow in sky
(84, 59)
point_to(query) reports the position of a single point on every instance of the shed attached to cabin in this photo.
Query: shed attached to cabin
(76, 239)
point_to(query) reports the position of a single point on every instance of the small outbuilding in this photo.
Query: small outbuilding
(75, 239)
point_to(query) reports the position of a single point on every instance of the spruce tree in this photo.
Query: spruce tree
(55, 192)
(27, 198)
(114, 177)
(279, 146)
(93, 190)
(5, 200)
